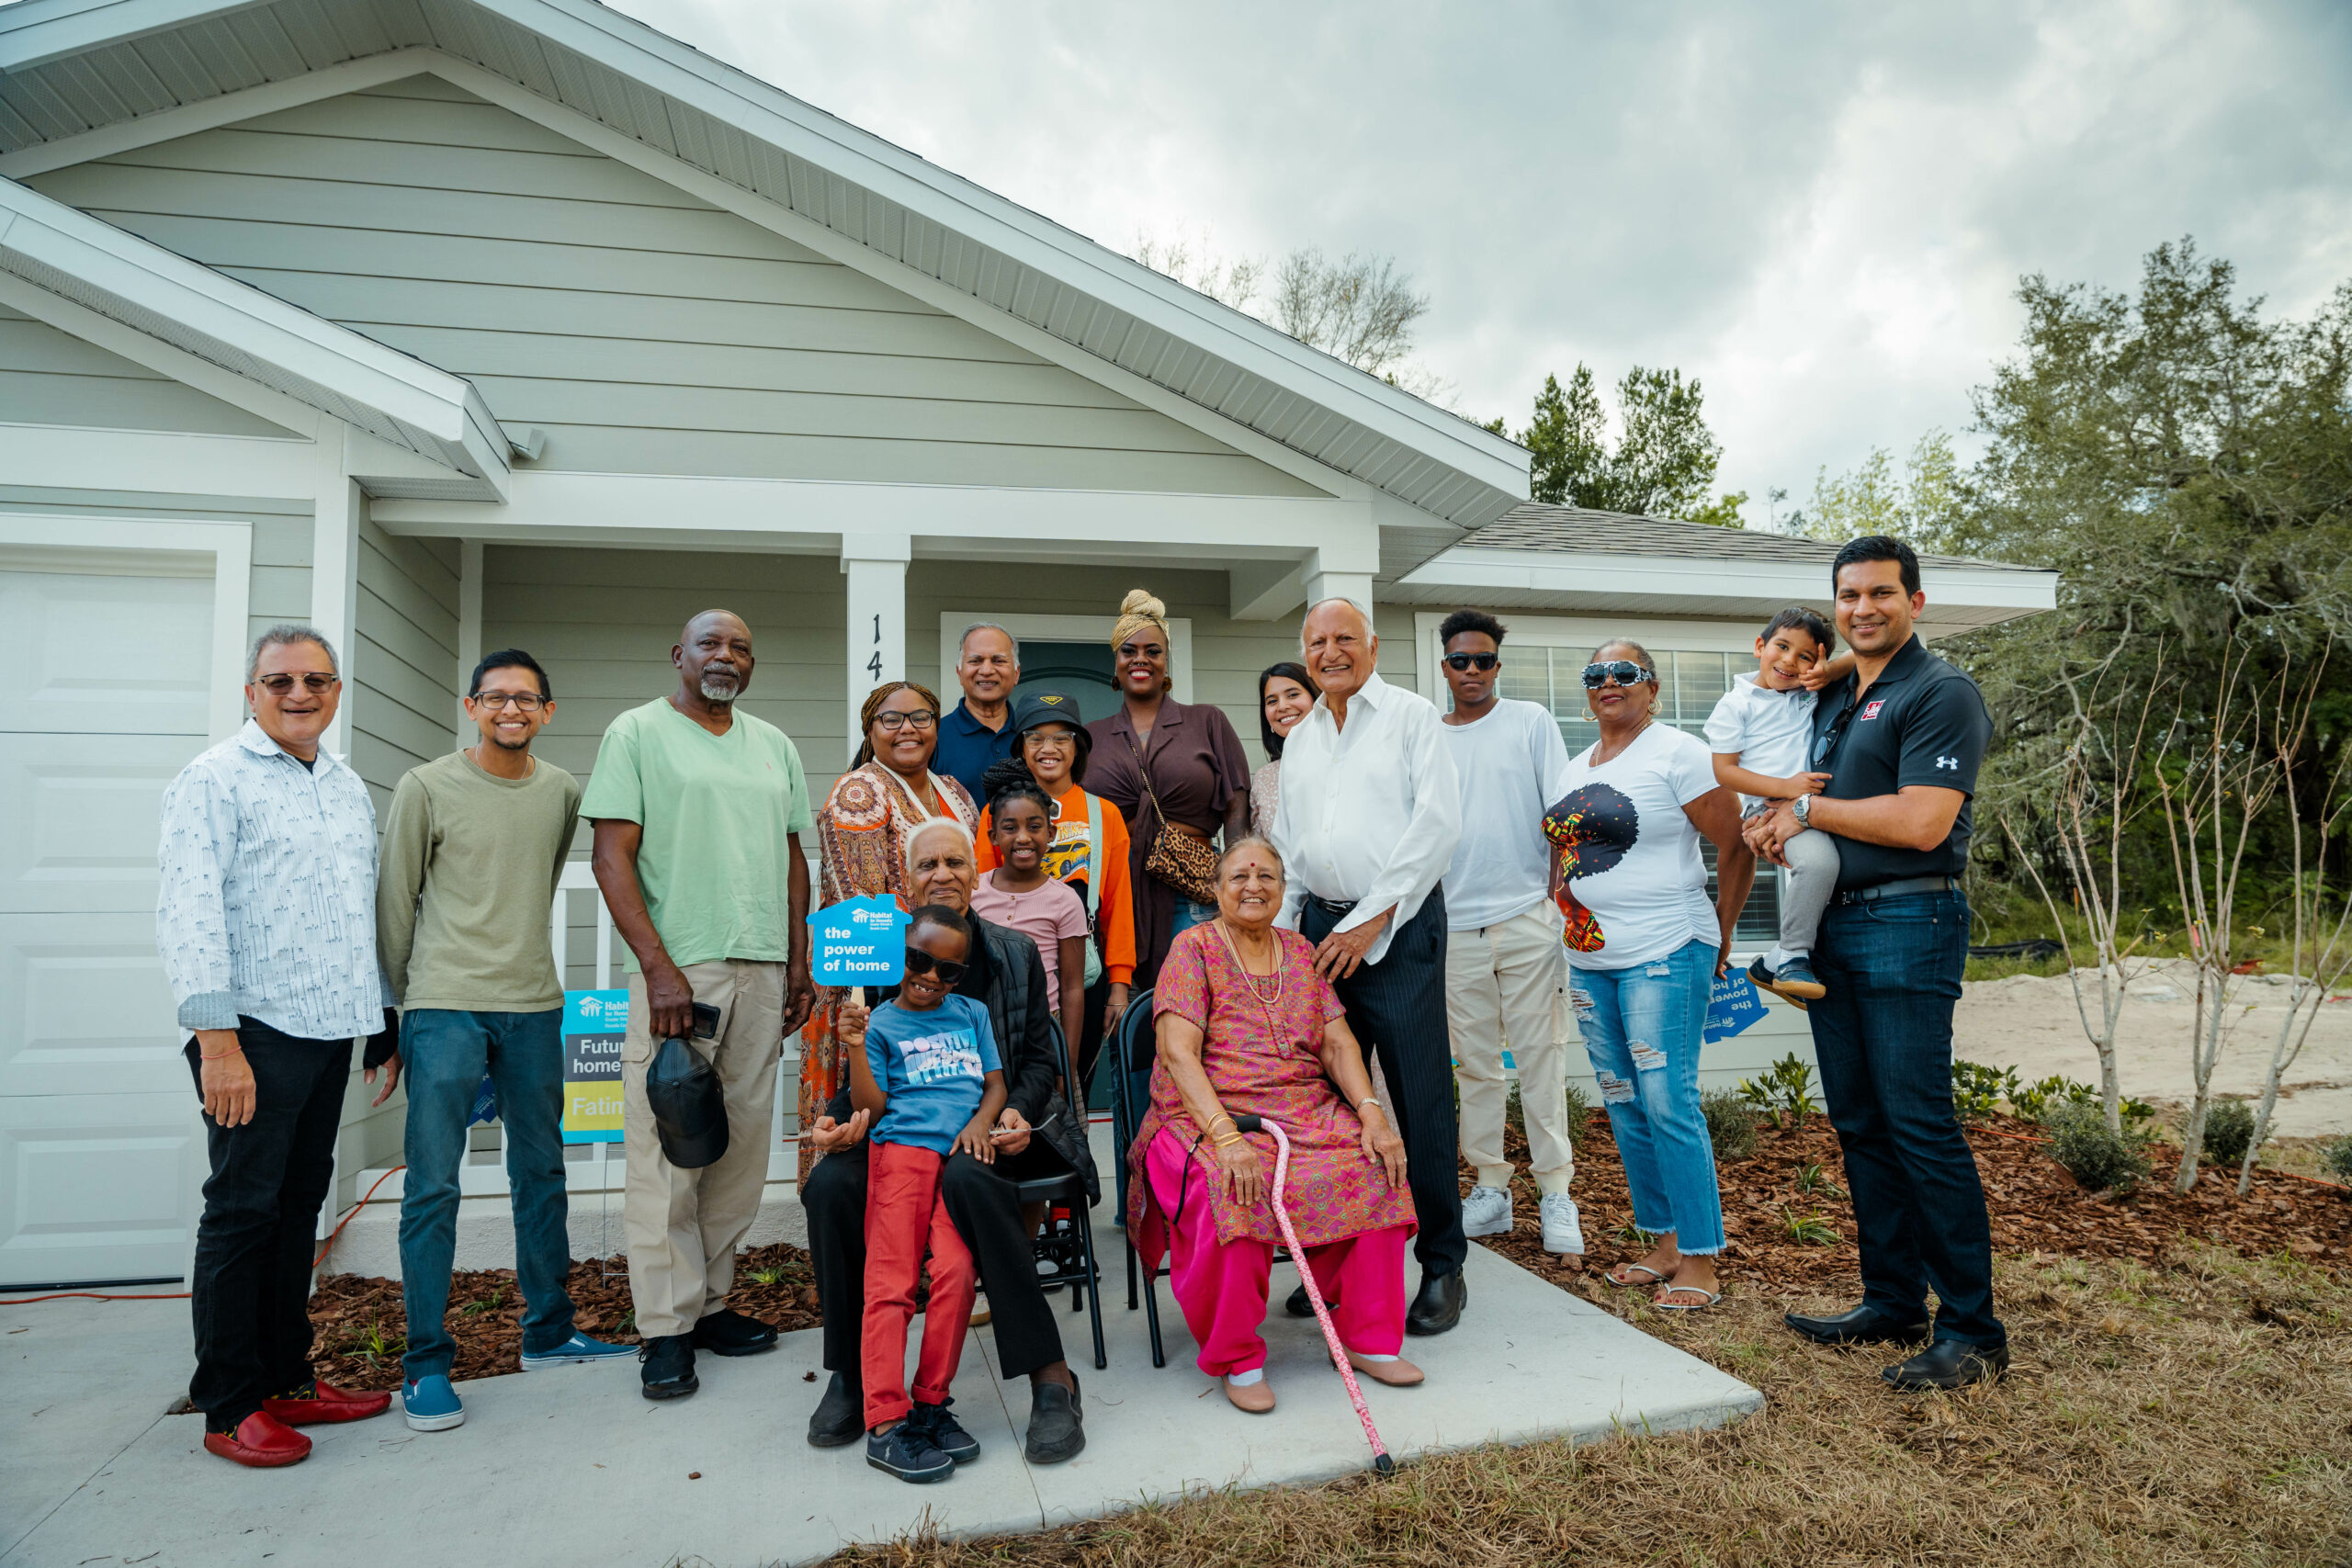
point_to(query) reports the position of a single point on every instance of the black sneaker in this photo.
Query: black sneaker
(668, 1366)
(946, 1433)
(840, 1417)
(906, 1452)
(728, 1333)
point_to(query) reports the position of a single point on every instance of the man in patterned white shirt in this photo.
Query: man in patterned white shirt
(267, 921)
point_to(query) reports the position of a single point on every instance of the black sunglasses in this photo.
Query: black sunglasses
(278, 685)
(949, 970)
(1624, 672)
(1473, 660)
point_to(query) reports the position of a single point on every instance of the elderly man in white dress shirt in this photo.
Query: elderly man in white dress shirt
(266, 922)
(1369, 812)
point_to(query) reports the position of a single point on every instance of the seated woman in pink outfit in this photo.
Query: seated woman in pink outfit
(1246, 1027)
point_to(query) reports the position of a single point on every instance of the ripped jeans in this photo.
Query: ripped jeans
(1642, 1029)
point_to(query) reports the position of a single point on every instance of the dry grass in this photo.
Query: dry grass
(2200, 1414)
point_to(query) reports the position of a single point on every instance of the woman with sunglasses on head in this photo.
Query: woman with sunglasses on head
(1090, 853)
(862, 845)
(1178, 773)
(1286, 694)
(1645, 947)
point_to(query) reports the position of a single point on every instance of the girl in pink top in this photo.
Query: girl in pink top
(1020, 895)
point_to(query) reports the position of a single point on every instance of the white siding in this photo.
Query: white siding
(48, 377)
(403, 664)
(644, 331)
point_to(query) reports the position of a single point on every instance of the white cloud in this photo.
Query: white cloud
(1819, 212)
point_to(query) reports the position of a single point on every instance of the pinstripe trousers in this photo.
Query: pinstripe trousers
(1396, 1007)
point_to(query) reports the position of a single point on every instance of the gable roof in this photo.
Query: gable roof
(1539, 526)
(396, 398)
(68, 67)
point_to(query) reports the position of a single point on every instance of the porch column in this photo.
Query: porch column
(1325, 577)
(875, 565)
(469, 647)
(338, 505)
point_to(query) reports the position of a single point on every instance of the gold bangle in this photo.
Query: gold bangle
(1237, 1138)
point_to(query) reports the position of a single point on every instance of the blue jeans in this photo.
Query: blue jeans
(1882, 1036)
(1642, 1029)
(443, 1057)
(1190, 914)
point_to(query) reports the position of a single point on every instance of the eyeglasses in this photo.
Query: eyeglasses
(1624, 672)
(1055, 736)
(524, 702)
(894, 721)
(920, 962)
(1473, 660)
(278, 685)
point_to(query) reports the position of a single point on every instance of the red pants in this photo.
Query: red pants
(1221, 1285)
(902, 1213)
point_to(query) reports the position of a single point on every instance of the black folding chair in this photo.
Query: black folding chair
(1130, 1053)
(1068, 1242)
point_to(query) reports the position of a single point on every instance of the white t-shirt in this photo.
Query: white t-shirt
(1634, 888)
(1771, 731)
(1508, 761)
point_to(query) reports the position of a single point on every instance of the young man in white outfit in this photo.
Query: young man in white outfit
(1504, 966)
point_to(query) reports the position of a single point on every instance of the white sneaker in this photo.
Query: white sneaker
(1487, 1212)
(1562, 1233)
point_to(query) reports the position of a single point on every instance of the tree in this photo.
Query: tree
(1921, 506)
(1662, 462)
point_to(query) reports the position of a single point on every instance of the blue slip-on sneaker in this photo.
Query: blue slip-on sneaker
(1795, 978)
(429, 1404)
(1765, 979)
(907, 1452)
(946, 1433)
(578, 1350)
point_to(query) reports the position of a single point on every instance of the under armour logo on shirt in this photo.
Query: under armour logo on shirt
(1951, 763)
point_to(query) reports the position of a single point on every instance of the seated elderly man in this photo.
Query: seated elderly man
(1003, 973)
(1248, 1028)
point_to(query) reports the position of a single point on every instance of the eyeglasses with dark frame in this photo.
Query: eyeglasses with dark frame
(1460, 661)
(523, 701)
(949, 970)
(1624, 672)
(312, 681)
(895, 720)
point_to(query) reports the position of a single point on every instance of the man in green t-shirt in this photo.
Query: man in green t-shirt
(698, 812)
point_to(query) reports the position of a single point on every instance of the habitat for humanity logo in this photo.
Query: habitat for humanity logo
(875, 920)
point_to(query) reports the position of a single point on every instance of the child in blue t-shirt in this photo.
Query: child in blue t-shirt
(925, 1069)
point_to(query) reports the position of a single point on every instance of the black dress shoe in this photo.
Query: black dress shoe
(1863, 1326)
(669, 1370)
(839, 1417)
(1439, 1306)
(1056, 1423)
(728, 1333)
(1298, 1306)
(1949, 1363)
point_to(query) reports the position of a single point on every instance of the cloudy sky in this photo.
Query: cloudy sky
(1819, 210)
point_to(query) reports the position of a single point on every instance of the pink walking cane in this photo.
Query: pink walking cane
(1380, 1460)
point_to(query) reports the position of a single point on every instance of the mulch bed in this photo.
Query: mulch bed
(2037, 1209)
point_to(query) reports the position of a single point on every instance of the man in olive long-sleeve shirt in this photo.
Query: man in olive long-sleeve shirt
(473, 847)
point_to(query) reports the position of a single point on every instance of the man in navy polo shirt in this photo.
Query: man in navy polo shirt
(1901, 739)
(977, 732)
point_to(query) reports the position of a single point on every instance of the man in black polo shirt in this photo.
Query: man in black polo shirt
(1901, 739)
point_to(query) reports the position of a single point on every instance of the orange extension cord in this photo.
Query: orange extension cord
(182, 1296)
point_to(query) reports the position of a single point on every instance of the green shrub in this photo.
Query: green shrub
(2336, 1158)
(1977, 1090)
(1579, 1118)
(2229, 1128)
(1785, 1090)
(2096, 1158)
(1731, 1123)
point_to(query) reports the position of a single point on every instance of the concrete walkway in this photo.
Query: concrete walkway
(572, 1467)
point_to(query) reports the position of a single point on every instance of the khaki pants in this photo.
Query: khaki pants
(1503, 983)
(683, 1226)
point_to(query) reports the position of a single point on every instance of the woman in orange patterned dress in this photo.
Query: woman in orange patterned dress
(861, 836)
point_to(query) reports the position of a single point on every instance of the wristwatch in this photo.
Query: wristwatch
(1802, 809)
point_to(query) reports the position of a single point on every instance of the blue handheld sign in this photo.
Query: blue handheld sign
(858, 941)
(1733, 1007)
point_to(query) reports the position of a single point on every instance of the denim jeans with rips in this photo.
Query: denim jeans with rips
(1642, 1028)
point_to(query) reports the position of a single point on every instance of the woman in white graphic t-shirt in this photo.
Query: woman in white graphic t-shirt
(1644, 945)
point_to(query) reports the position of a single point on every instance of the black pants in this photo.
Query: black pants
(251, 1295)
(987, 1213)
(1396, 1007)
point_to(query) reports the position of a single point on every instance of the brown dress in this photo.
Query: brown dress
(1196, 766)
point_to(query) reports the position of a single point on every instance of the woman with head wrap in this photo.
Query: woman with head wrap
(1168, 766)
(862, 848)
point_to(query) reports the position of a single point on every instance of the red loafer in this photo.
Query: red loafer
(261, 1440)
(322, 1403)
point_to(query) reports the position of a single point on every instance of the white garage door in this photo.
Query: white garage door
(105, 659)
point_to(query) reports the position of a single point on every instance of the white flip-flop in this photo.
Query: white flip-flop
(1712, 1297)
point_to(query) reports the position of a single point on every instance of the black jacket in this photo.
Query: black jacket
(1008, 979)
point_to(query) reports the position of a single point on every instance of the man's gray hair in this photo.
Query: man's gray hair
(1362, 614)
(987, 627)
(285, 634)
